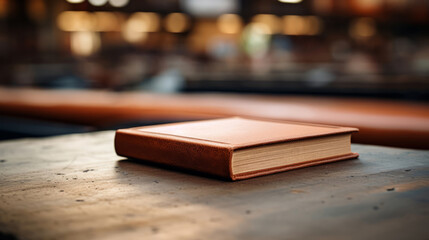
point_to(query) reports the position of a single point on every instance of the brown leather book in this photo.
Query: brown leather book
(236, 148)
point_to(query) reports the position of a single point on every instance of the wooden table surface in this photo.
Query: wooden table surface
(75, 187)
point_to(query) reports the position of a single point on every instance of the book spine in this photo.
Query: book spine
(192, 154)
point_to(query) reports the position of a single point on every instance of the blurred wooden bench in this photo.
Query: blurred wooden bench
(381, 122)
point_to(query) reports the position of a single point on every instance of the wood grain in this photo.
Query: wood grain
(75, 187)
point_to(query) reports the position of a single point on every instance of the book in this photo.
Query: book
(236, 148)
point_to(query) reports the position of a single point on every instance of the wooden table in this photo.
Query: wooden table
(75, 187)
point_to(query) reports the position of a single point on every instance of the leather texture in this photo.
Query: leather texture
(207, 146)
(241, 132)
(197, 155)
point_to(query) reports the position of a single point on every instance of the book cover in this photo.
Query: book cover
(236, 148)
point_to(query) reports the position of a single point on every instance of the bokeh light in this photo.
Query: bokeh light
(230, 23)
(75, 1)
(84, 43)
(272, 22)
(97, 2)
(119, 3)
(76, 21)
(362, 28)
(176, 22)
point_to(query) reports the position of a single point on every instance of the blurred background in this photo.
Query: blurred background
(278, 59)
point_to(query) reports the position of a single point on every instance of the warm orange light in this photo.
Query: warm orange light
(84, 43)
(176, 22)
(271, 21)
(293, 25)
(133, 36)
(323, 6)
(76, 21)
(144, 21)
(137, 26)
(4, 8)
(106, 21)
(362, 28)
(301, 25)
(230, 23)
(367, 6)
(314, 25)
(36, 10)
